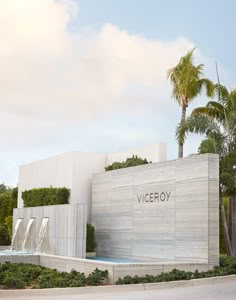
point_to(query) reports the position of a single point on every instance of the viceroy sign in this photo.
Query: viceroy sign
(153, 197)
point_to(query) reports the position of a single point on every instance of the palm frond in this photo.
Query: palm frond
(198, 124)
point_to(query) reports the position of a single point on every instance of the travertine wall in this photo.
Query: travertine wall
(166, 211)
(65, 232)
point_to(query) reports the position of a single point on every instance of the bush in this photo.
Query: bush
(19, 276)
(8, 201)
(90, 241)
(130, 162)
(227, 267)
(8, 224)
(4, 237)
(45, 196)
(12, 281)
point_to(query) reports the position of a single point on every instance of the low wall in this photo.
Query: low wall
(4, 248)
(115, 270)
(23, 258)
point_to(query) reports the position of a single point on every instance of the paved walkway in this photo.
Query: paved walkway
(219, 291)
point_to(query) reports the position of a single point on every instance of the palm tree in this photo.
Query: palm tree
(188, 83)
(217, 120)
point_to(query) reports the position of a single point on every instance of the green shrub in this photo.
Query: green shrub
(11, 281)
(4, 237)
(8, 201)
(97, 277)
(20, 275)
(90, 241)
(227, 267)
(8, 223)
(45, 196)
(130, 162)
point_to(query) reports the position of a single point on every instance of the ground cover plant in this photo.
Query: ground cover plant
(227, 267)
(20, 276)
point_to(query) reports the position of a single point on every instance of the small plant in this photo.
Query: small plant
(90, 241)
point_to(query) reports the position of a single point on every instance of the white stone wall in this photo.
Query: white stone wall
(166, 211)
(72, 170)
(65, 232)
(115, 270)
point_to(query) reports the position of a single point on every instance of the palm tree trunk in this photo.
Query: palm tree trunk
(229, 219)
(233, 224)
(225, 227)
(183, 117)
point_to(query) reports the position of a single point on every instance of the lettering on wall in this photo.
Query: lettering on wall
(153, 197)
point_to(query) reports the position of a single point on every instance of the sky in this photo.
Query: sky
(91, 75)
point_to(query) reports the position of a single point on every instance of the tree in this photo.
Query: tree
(188, 83)
(3, 187)
(8, 201)
(217, 120)
(130, 162)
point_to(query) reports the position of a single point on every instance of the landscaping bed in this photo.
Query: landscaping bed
(227, 267)
(20, 276)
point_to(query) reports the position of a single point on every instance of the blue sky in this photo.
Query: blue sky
(207, 23)
(90, 75)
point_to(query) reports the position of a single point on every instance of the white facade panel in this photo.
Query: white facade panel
(167, 211)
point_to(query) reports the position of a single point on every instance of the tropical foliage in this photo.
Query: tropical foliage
(8, 201)
(188, 83)
(217, 121)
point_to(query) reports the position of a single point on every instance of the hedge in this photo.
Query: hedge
(45, 196)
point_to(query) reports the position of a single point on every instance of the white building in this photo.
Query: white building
(74, 171)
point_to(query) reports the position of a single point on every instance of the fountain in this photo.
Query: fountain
(42, 233)
(16, 228)
(26, 235)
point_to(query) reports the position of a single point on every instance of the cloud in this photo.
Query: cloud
(49, 72)
(53, 79)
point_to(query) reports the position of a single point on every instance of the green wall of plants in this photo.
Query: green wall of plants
(45, 196)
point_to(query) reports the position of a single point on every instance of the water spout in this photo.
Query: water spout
(16, 228)
(42, 233)
(26, 235)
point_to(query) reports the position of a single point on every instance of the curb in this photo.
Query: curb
(116, 288)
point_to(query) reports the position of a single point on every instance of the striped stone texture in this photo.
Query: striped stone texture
(115, 270)
(182, 228)
(66, 230)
